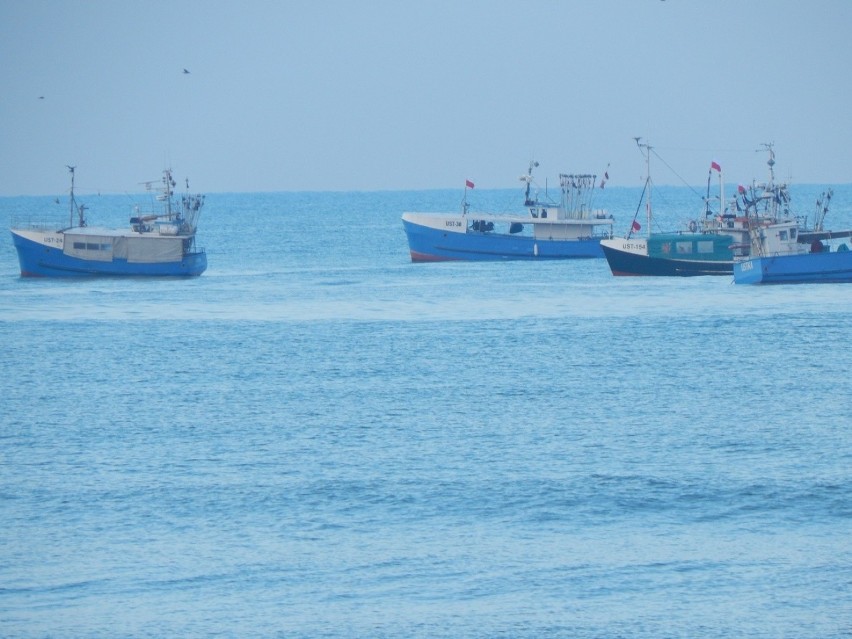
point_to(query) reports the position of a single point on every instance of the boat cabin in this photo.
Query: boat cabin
(780, 239)
(691, 246)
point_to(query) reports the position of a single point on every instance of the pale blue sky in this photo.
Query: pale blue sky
(376, 95)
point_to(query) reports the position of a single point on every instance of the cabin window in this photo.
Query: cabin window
(792, 234)
(684, 247)
(92, 246)
(782, 235)
(705, 246)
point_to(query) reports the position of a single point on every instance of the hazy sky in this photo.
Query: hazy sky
(377, 95)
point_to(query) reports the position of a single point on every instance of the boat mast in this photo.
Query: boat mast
(71, 203)
(81, 208)
(167, 191)
(770, 189)
(770, 162)
(707, 211)
(647, 150)
(528, 180)
(822, 208)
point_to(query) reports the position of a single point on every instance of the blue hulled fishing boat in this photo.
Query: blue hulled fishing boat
(155, 244)
(570, 228)
(783, 254)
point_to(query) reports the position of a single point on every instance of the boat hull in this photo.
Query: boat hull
(38, 258)
(796, 269)
(631, 257)
(428, 244)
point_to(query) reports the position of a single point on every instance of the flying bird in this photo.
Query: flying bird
(185, 71)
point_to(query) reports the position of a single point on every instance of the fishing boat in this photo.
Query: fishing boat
(783, 254)
(156, 244)
(568, 229)
(710, 245)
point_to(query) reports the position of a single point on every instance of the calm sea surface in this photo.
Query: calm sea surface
(317, 438)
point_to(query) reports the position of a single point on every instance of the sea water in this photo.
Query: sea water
(318, 438)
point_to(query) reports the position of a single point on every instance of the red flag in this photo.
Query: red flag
(468, 184)
(715, 165)
(636, 225)
(741, 188)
